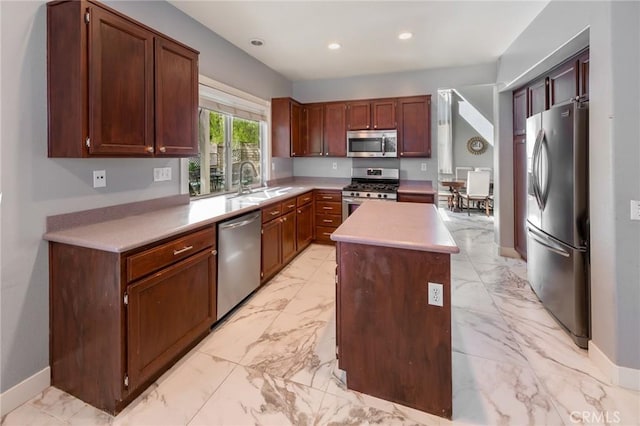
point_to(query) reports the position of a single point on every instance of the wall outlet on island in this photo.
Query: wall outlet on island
(423, 167)
(435, 294)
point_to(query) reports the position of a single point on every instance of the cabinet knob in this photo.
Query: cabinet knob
(149, 149)
(402, 153)
(214, 252)
(163, 149)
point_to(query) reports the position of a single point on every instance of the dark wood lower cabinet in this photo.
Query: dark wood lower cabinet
(288, 236)
(415, 198)
(271, 248)
(111, 336)
(304, 224)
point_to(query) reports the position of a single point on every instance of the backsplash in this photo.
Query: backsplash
(410, 168)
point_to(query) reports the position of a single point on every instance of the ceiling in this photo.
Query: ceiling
(296, 33)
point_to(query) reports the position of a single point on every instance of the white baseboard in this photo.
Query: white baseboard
(22, 392)
(508, 252)
(621, 376)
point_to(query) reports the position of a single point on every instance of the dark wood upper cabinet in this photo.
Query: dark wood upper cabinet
(313, 129)
(414, 126)
(176, 94)
(335, 129)
(286, 114)
(117, 88)
(537, 97)
(520, 112)
(359, 115)
(563, 83)
(384, 114)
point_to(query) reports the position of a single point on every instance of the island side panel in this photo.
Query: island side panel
(86, 324)
(392, 343)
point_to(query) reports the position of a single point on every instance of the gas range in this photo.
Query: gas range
(373, 183)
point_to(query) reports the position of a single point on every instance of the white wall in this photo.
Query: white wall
(422, 82)
(614, 155)
(463, 131)
(35, 186)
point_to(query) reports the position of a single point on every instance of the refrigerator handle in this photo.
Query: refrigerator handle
(536, 166)
(546, 242)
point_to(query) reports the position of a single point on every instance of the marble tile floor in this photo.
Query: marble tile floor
(271, 362)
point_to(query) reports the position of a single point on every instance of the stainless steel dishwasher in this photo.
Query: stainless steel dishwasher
(238, 260)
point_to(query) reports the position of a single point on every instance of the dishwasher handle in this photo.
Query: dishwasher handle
(247, 221)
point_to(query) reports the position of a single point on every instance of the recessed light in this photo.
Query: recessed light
(405, 36)
(256, 42)
(334, 46)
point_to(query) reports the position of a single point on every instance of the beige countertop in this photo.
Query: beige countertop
(416, 187)
(129, 232)
(413, 226)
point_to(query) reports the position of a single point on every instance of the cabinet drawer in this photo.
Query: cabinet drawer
(304, 199)
(148, 261)
(328, 220)
(328, 196)
(288, 205)
(271, 212)
(323, 234)
(328, 207)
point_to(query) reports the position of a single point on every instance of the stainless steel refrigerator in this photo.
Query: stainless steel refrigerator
(558, 215)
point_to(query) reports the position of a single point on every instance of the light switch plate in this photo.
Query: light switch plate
(423, 167)
(161, 174)
(335, 165)
(635, 210)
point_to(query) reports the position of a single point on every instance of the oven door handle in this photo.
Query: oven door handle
(384, 140)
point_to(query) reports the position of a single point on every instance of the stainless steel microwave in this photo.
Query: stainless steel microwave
(372, 143)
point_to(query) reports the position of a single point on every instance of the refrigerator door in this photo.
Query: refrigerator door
(559, 169)
(534, 136)
(558, 273)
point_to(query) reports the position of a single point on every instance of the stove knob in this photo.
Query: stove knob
(380, 195)
(357, 194)
(352, 194)
(368, 195)
(385, 195)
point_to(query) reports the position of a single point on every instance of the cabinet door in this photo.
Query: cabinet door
(537, 97)
(271, 248)
(167, 312)
(297, 148)
(563, 84)
(384, 114)
(335, 129)
(414, 126)
(583, 73)
(176, 99)
(520, 112)
(288, 236)
(121, 99)
(304, 225)
(359, 115)
(520, 194)
(313, 129)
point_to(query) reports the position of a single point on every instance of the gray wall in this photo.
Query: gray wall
(463, 131)
(614, 29)
(390, 85)
(35, 186)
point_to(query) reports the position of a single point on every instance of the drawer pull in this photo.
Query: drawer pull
(327, 221)
(306, 199)
(327, 197)
(274, 213)
(299, 211)
(328, 208)
(182, 250)
(327, 233)
(291, 205)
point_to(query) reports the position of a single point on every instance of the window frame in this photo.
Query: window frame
(232, 97)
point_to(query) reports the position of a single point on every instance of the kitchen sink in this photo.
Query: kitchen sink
(259, 195)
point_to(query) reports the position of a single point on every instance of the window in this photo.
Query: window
(231, 132)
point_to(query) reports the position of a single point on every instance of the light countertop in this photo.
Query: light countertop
(129, 232)
(416, 187)
(413, 226)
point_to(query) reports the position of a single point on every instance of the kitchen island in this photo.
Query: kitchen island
(392, 341)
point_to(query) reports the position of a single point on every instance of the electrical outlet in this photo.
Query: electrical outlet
(334, 165)
(435, 294)
(161, 174)
(99, 178)
(635, 210)
(423, 167)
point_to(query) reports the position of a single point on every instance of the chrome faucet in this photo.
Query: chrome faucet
(242, 189)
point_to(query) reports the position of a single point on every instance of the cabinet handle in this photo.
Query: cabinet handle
(163, 149)
(274, 213)
(306, 199)
(327, 197)
(182, 250)
(299, 211)
(291, 205)
(149, 149)
(327, 208)
(284, 219)
(327, 221)
(214, 252)
(327, 233)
